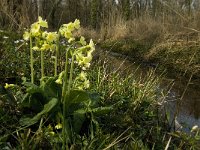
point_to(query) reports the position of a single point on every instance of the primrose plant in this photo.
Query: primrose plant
(65, 89)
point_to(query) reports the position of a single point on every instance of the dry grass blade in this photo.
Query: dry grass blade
(167, 146)
(117, 140)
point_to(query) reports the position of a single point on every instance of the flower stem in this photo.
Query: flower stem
(64, 88)
(31, 60)
(71, 73)
(64, 130)
(56, 58)
(42, 64)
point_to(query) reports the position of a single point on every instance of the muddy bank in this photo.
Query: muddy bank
(178, 58)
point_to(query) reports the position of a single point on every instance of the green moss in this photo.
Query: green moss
(176, 58)
(128, 47)
(183, 59)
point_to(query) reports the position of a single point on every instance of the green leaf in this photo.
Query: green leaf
(77, 96)
(94, 100)
(50, 88)
(74, 101)
(47, 108)
(37, 96)
(78, 99)
(33, 101)
(78, 120)
(34, 98)
(101, 110)
(31, 88)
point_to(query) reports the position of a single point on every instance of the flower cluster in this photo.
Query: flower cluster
(35, 30)
(84, 55)
(43, 40)
(66, 30)
(81, 51)
(78, 55)
(50, 39)
(36, 27)
(81, 81)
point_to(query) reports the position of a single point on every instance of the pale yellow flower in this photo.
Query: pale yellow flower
(86, 84)
(44, 34)
(62, 31)
(51, 133)
(45, 46)
(86, 61)
(65, 25)
(50, 127)
(82, 58)
(35, 29)
(52, 47)
(82, 76)
(68, 35)
(194, 128)
(67, 29)
(36, 48)
(82, 41)
(59, 81)
(81, 81)
(86, 66)
(71, 40)
(92, 46)
(8, 86)
(77, 24)
(52, 36)
(79, 57)
(42, 22)
(26, 36)
(70, 27)
(58, 126)
(60, 77)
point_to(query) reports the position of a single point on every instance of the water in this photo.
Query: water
(187, 99)
(182, 97)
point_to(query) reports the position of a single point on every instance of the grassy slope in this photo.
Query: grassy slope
(181, 57)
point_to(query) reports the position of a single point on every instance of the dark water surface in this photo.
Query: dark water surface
(185, 97)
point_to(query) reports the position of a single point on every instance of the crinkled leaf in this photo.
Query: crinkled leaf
(33, 101)
(34, 96)
(75, 99)
(50, 88)
(101, 110)
(31, 88)
(78, 120)
(47, 108)
(94, 100)
(77, 96)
